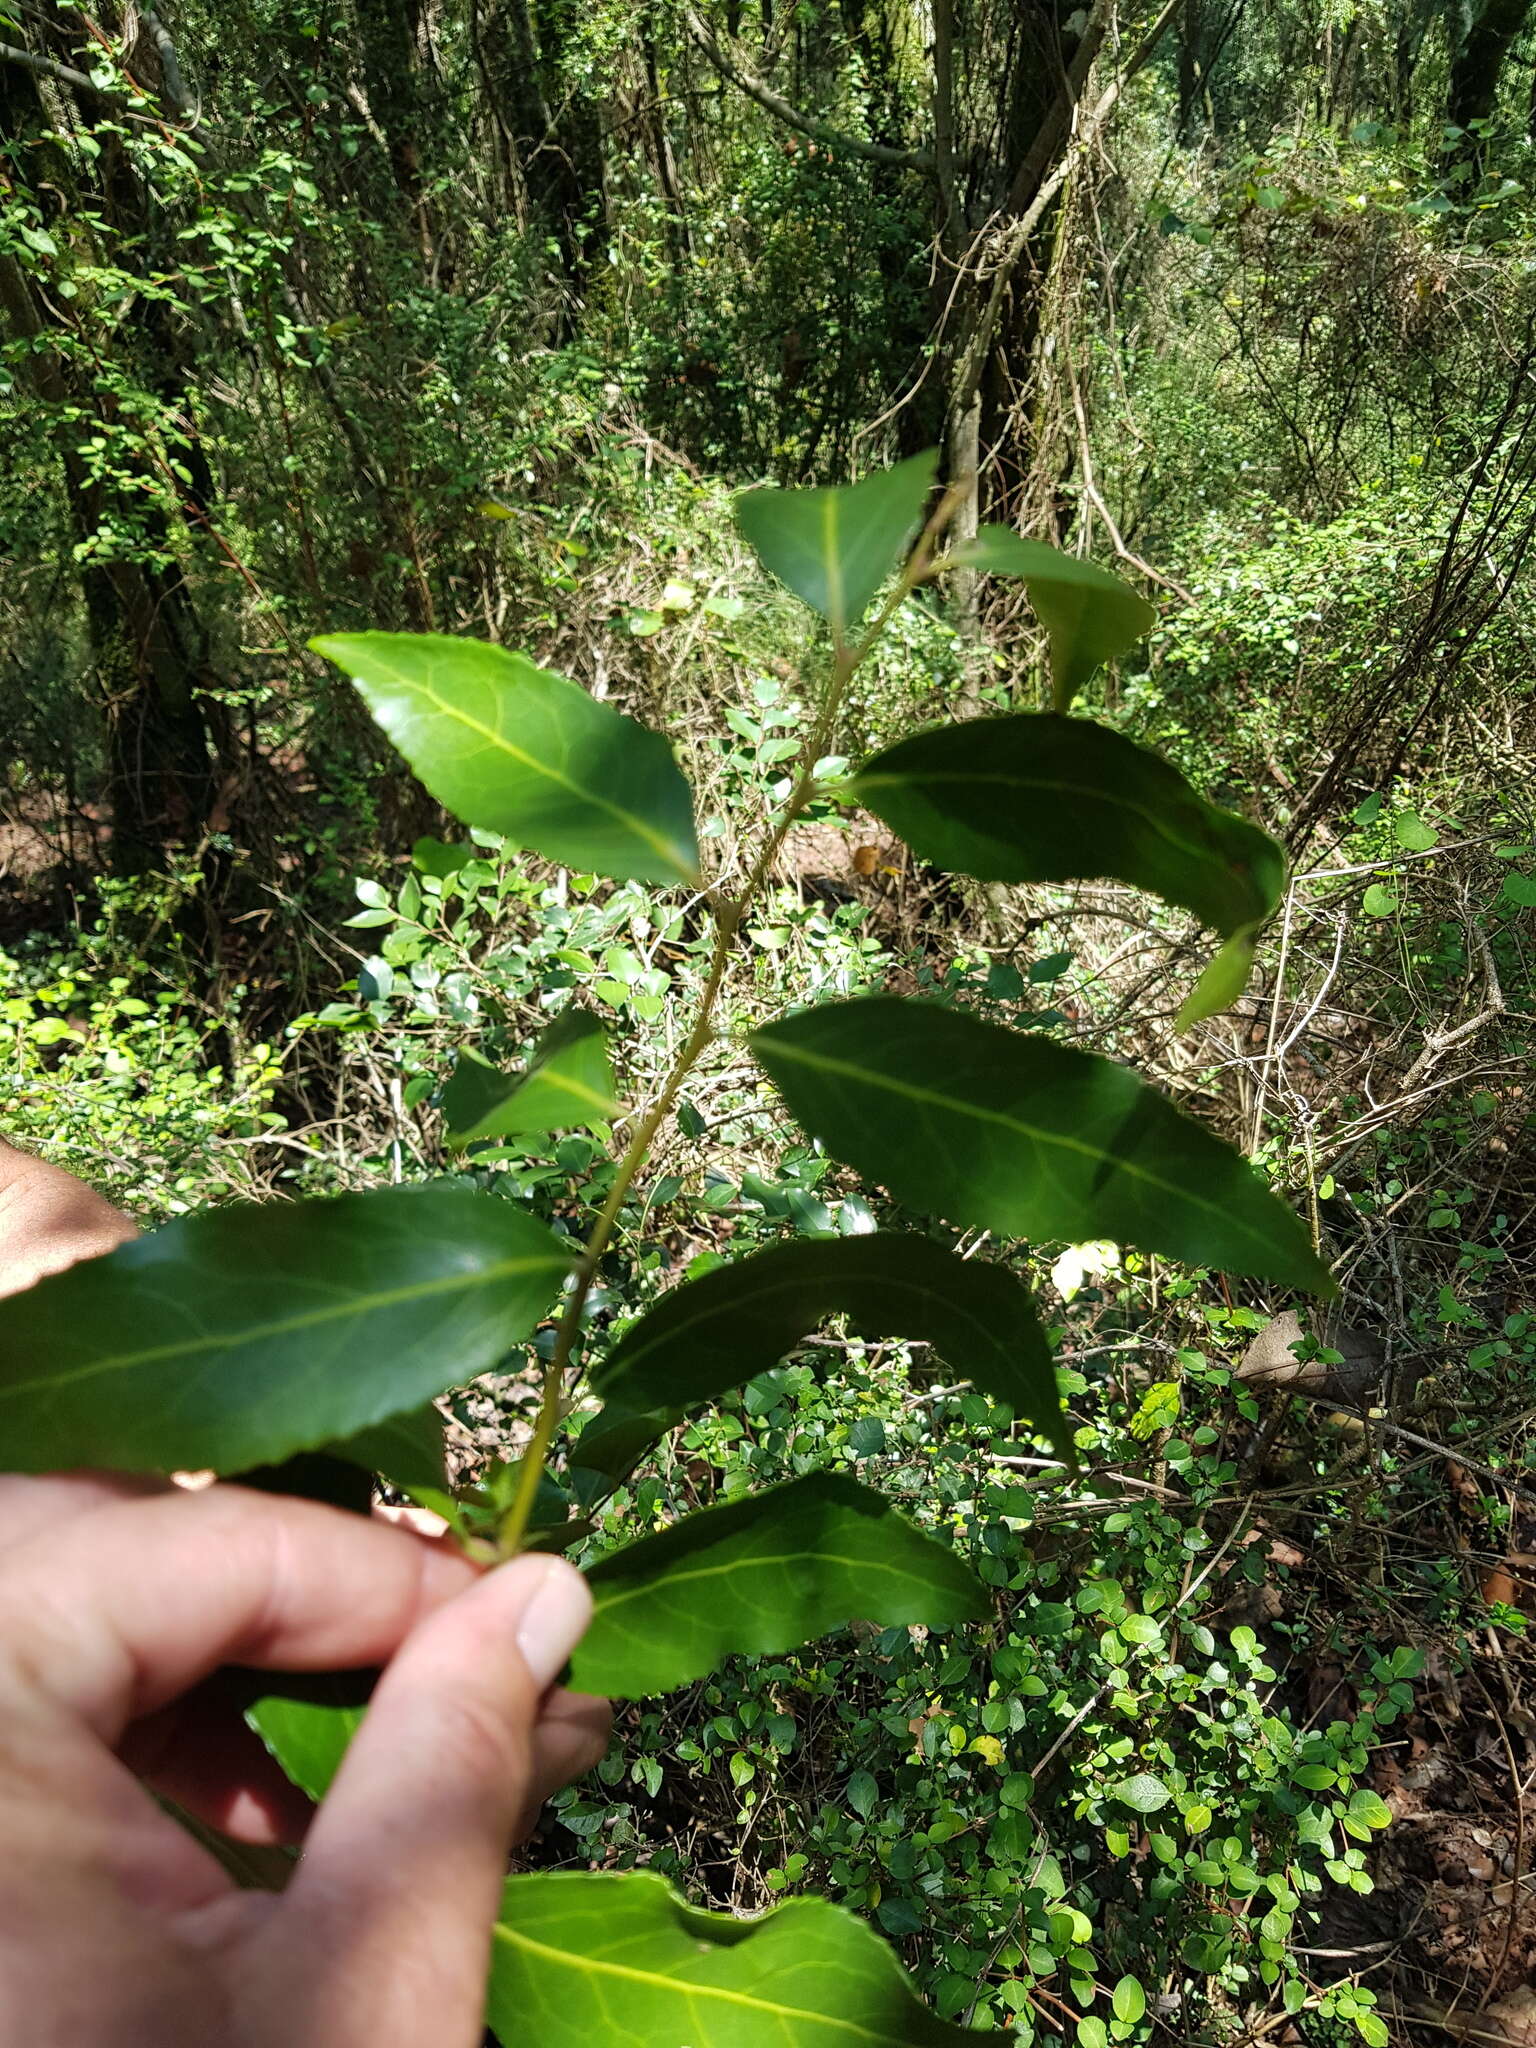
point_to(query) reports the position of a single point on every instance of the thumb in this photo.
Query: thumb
(385, 1930)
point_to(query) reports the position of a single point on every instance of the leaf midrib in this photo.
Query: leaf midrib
(756, 1560)
(958, 1105)
(597, 1965)
(605, 1105)
(832, 562)
(758, 1297)
(310, 1319)
(1095, 792)
(655, 840)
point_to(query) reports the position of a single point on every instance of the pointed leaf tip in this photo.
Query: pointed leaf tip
(1036, 797)
(512, 748)
(1089, 614)
(835, 546)
(1012, 1132)
(761, 1576)
(567, 1085)
(715, 1333)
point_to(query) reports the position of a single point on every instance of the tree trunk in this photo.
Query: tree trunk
(558, 142)
(147, 642)
(1491, 30)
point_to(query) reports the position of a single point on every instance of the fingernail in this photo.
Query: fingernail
(554, 1620)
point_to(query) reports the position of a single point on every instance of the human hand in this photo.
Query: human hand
(117, 1930)
(48, 1220)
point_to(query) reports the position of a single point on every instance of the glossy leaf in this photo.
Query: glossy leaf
(408, 1449)
(307, 1738)
(613, 1439)
(834, 547)
(584, 1959)
(713, 1334)
(1017, 1134)
(1129, 2000)
(513, 749)
(240, 1336)
(568, 1083)
(1090, 616)
(1040, 798)
(761, 1576)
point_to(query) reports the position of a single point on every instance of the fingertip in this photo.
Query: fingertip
(555, 1617)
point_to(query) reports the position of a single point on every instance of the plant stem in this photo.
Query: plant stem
(729, 912)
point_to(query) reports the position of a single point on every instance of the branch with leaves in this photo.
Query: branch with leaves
(247, 1336)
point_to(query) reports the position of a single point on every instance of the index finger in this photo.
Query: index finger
(110, 1618)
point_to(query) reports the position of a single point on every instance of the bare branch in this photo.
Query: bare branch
(61, 74)
(77, 81)
(171, 80)
(819, 131)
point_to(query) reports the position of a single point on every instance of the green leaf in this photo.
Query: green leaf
(582, 1958)
(513, 749)
(1224, 978)
(866, 1437)
(1089, 615)
(762, 1576)
(863, 1794)
(835, 547)
(308, 1739)
(715, 1333)
(1140, 1628)
(437, 857)
(1520, 890)
(1371, 1808)
(407, 1449)
(568, 1084)
(1017, 1134)
(240, 1336)
(614, 1438)
(1379, 901)
(1411, 831)
(1092, 2033)
(1039, 798)
(1143, 1793)
(1129, 2001)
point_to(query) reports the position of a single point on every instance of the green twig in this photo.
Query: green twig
(729, 912)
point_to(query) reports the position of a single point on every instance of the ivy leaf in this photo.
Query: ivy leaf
(243, 1335)
(511, 748)
(762, 1576)
(1090, 616)
(568, 1083)
(582, 1956)
(715, 1333)
(1040, 798)
(834, 547)
(1017, 1134)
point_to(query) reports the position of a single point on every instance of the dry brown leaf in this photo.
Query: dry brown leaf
(1509, 2024)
